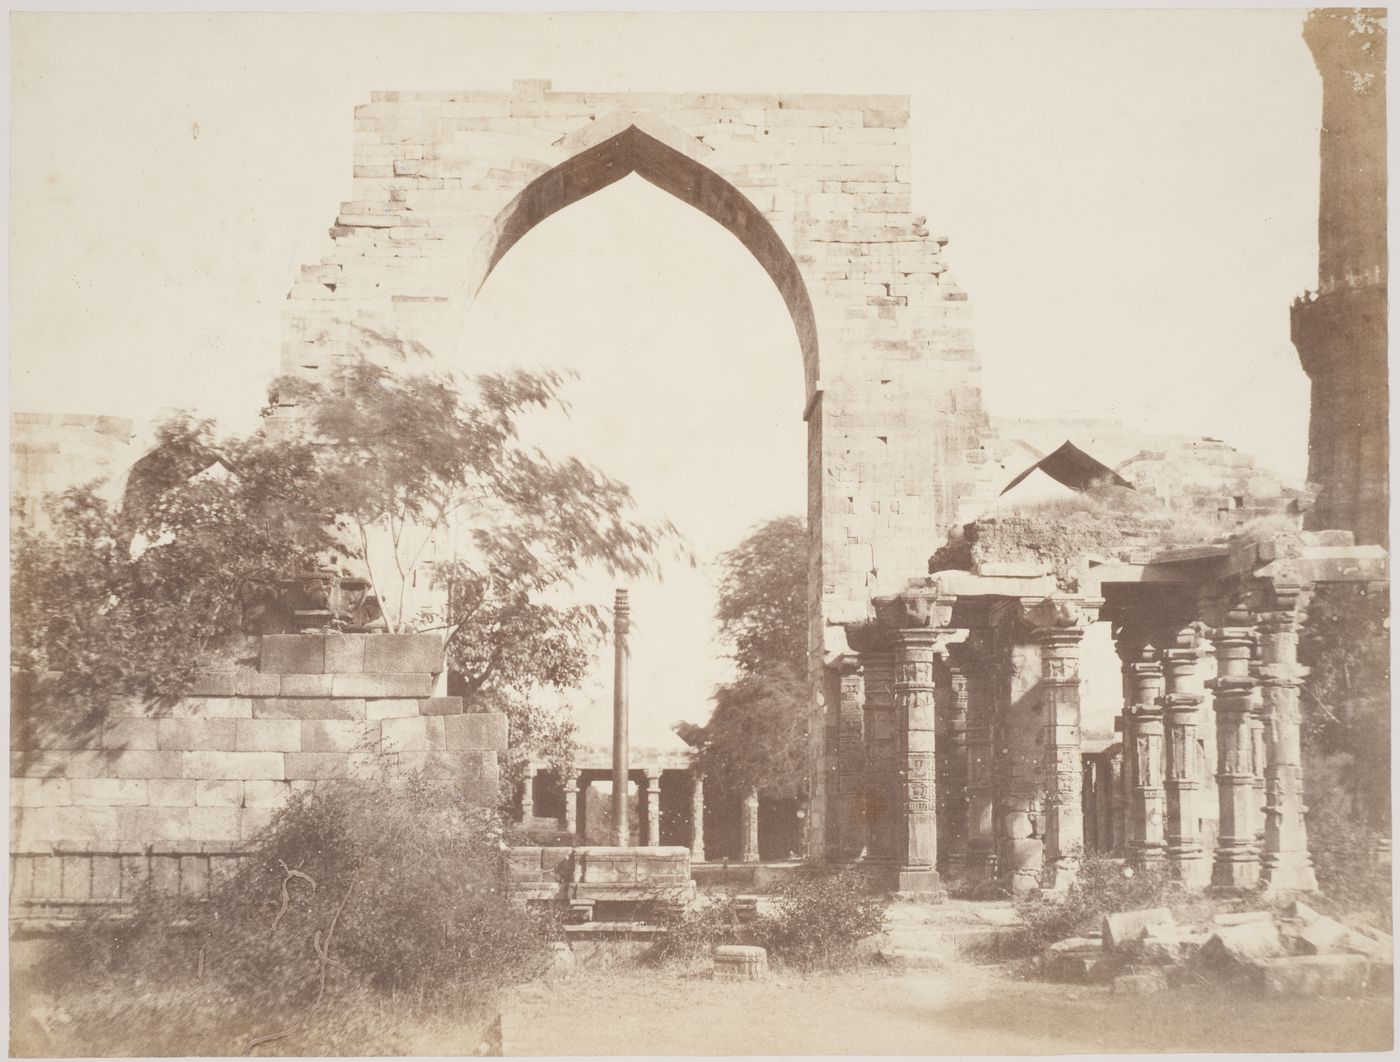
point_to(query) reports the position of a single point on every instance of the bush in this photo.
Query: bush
(691, 935)
(819, 917)
(1102, 887)
(391, 888)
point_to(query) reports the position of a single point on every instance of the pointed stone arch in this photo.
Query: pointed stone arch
(625, 143)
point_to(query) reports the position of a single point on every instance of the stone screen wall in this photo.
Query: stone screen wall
(172, 796)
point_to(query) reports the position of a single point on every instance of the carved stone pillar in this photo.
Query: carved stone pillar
(879, 789)
(697, 818)
(653, 807)
(1059, 630)
(850, 773)
(571, 802)
(1236, 858)
(1016, 763)
(1286, 865)
(748, 827)
(1114, 810)
(954, 784)
(1181, 704)
(527, 795)
(1143, 731)
(917, 838)
(1258, 748)
(981, 809)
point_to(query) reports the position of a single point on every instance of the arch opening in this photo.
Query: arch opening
(634, 151)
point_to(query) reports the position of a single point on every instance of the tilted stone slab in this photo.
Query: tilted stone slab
(1130, 925)
(1311, 975)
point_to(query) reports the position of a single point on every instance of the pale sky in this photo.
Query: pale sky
(1130, 197)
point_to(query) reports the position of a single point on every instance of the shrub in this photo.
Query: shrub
(1102, 887)
(392, 887)
(819, 917)
(693, 934)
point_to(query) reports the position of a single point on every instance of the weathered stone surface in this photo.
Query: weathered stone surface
(1321, 936)
(382, 685)
(305, 686)
(740, 962)
(1369, 946)
(338, 735)
(1243, 943)
(309, 708)
(478, 731)
(1130, 925)
(1240, 918)
(283, 654)
(1074, 944)
(232, 765)
(1311, 975)
(403, 653)
(414, 734)
(440, 706)
(345, 653)
(267, 735)
(196, 735)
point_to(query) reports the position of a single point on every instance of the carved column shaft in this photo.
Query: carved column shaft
(653, 808)
(881, 789)
(748, 822)
(571, 802)
(1142, 671)
(1063, 829)
(1181, 703)
(954, 785)
(527, 795)
(1286, 865)
(980, 864)
(1236, 857)
(917, 838)
(697, 819)
(850, 773)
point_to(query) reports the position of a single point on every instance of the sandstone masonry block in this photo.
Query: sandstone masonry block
(268, 735)
(214, 684)
(338, 735)
(145, 765)
(284, 654)
(196, 735)
(1311, 975)
(309, 707)
(109, 792)
(403, 653)
(141, 826)
(171, 793)
(440, 706)
(345, 653)
(306, 686)
(40, 792)
(252, 821)
(266, 794)
(479, 731)
(256, 684)
(218, 793)
(392, 708)
(214, 824)
(414, 734)
(134, 734)
(213, 708)
(232, 765)
(322, 766)
(383, 685)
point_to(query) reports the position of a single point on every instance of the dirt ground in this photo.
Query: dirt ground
(965, 1010)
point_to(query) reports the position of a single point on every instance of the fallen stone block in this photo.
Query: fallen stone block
(1322, 936)
(1158, 946)
(1129, 925)
(1241, 918)
(740, 962)
(1139, 984)
(1074, 944)
(1301, 911)
(1312, 975)
(1080, 967)
(1244, 943)
(1361, 944)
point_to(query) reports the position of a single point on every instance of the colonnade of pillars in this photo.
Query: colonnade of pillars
(652, 817)
(951, 737)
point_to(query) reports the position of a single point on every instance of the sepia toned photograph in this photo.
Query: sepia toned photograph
(689, 533)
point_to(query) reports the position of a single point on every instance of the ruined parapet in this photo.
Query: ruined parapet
(169, 797)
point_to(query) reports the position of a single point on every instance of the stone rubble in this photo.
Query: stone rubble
(1296, 953)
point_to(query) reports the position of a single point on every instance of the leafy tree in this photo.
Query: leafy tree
(114, 602)
(763, 597)
(756, 737)
(427, 464)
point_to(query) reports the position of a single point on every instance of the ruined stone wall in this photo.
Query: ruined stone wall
(818, 187)
(171, 796)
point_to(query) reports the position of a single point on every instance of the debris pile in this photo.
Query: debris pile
(1297, 952)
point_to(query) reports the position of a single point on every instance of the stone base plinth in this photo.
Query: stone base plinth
(924, 885)
(741, 962)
